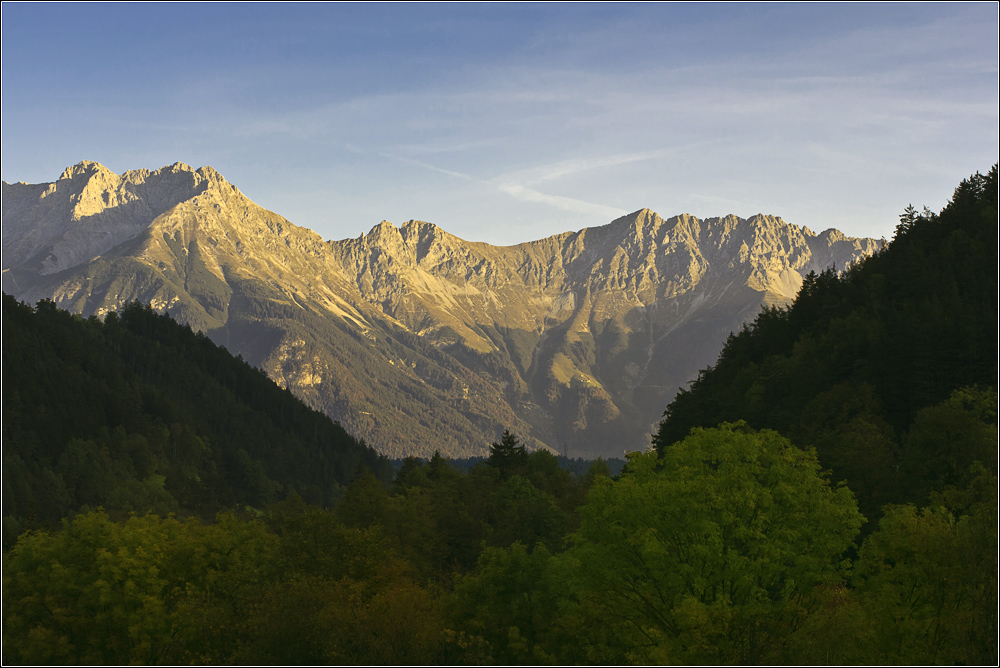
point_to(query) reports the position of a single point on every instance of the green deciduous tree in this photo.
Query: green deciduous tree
(945, 439)
(845, 426)
(147, 591)
(511, 601)
(364, 502)
(928, 579)
(708, 552)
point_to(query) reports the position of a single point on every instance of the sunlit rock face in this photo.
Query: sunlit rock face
(412, 338)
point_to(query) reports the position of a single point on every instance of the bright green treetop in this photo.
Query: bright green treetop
(696, 554)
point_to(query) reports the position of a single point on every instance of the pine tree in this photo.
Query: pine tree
(906, 221)
(508, 456)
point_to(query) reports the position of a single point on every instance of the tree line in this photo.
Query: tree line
(727, 548)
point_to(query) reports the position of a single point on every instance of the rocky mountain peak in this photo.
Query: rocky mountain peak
(412, 337)
(832, 236)
(90, 210)
(637, 223)
(209, 173)
(413, 243)
(84, 168)
(417, 231)
(643, 218)
(382, 230)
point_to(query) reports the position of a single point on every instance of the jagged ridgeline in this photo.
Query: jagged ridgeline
(139, 412)
(412, 338)
(884, 369)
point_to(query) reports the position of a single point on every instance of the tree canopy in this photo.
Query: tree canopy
(697, 553)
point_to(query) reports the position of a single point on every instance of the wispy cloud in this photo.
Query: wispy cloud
(516, 184)
(563, 168)
(564, 203)
(435, 148)
(440, 170)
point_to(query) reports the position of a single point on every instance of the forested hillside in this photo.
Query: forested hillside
(729, 543)
(885, 369)
(138, 412)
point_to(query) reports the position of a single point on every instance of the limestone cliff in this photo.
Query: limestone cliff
(414, 339)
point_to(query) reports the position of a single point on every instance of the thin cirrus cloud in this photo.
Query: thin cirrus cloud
(750, 134)
(566, 168)
(516, 185)
(440, 170)
(563, 203)
(448, 148)
(510, 122)
(326, 125)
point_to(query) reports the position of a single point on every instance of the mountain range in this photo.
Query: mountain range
(413, 339)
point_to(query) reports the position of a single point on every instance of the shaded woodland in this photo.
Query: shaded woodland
(137, 413)
(883, 369)
(825, 494)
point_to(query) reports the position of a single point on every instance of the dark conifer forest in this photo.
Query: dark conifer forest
(826, 493)
(138, 412)
(889, 370)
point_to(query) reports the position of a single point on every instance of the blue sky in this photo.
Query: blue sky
(509, 122)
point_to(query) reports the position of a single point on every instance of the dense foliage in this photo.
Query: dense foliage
(730, 543)
(727, 549)
(138, 412)
(706, 553)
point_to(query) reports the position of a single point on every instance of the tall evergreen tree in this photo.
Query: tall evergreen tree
(508, 456)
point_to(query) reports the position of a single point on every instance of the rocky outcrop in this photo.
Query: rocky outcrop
(90, 210)
(413, 338)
